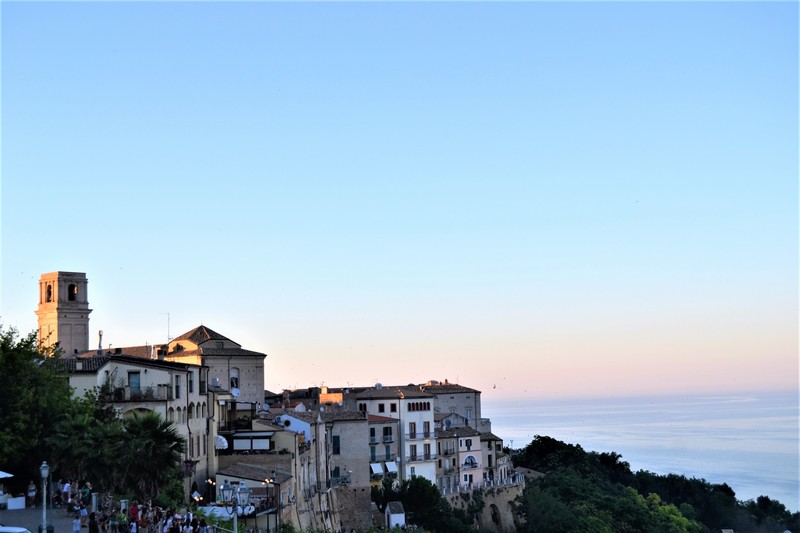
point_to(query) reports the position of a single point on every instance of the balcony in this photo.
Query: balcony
(374, 440)
(157, 393)
(415, 458)
(388, 438)
(417, 435)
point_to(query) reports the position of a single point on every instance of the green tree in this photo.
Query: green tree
(151, 455)
(33, 398)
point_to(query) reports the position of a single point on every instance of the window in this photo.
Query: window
(469, 444)
(412, 430)
(234, 374)
(373, 454)
(413, 471)
(381, 408)
(387, 434)
(202, 382)
(393, 407)
(362, 407)
(49, 293)
(191, 381)
(72, 292)
(427, 451)
(426, 429)
(335, 472)
(336, 446)
(388, 450)
(177, 387)
(469, 413)
(135, 381)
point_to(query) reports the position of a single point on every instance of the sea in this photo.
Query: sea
(751, 441)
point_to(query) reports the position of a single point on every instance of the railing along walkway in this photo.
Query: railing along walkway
(516, 479)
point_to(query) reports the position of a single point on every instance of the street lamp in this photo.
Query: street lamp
(235, 496)
(45, 471)
(271, 483)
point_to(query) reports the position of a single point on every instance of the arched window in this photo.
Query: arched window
(191, 411)
(48, 293)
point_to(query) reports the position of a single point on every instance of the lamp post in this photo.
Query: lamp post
(271, 483)
(45, 471)
(235, 496)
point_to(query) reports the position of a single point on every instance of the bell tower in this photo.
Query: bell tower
(64, 312)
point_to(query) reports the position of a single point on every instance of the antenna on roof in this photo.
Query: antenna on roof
(100, 343)
(168, 337)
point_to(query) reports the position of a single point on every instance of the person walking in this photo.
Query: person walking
(32, 494)
(65, 490)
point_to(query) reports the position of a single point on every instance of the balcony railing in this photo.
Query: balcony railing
(415, 435)
(157, 393)
(388, 438)
(373, 440)
(421, 457)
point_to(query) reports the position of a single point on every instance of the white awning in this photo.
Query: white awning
(391, 467)
(4, 475)
(376, 468)
(220, 443)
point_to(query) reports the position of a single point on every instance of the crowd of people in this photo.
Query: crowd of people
(141, 519)
(110, 518)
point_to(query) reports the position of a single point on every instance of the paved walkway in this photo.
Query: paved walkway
(32, 518)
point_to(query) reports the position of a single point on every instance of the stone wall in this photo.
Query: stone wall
(495, 503)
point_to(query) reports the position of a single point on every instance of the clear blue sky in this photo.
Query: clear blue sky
(529, 198)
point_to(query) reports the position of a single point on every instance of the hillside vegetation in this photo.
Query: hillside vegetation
(589, 491)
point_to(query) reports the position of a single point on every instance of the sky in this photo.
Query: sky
(532, 199)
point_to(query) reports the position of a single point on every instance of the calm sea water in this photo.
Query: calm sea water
(749, 441)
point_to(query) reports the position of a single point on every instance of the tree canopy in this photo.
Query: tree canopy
(589, 491)
(81, 438)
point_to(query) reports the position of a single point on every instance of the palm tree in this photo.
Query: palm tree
(151, 453)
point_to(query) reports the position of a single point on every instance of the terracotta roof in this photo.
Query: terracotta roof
(88, 364)
(445, 388)
(395, 507)
(343, 415)
(378, 418)
(201, 334)
(92, 363)
(254, 472)
(392, 393)
(457, 432)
